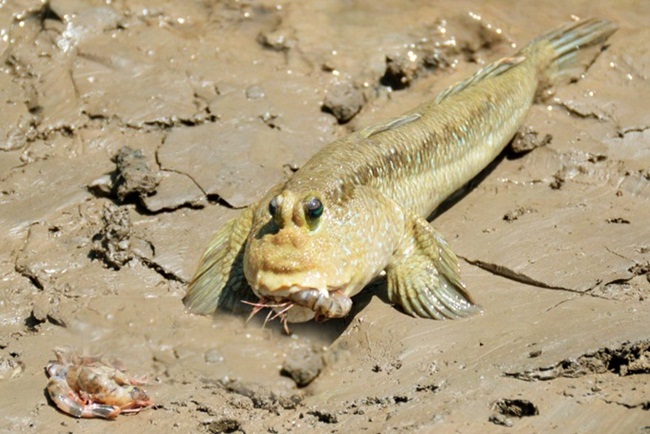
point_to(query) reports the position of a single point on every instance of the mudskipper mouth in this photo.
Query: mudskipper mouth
(332, 304)
(304, 304)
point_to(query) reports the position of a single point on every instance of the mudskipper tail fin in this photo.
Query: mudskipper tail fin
(570, 49)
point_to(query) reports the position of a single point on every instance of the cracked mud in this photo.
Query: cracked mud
(206, 105)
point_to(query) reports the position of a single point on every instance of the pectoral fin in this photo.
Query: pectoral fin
(424, 276)
(219, 281)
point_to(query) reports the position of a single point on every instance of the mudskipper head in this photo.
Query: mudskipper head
(307, 253)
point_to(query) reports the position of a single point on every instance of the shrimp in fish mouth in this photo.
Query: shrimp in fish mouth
(302, 305)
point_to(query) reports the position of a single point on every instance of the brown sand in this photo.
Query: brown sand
(223, 99)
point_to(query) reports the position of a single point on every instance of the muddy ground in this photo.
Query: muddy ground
(216, 102)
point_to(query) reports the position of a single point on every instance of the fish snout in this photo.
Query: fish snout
(288, 239)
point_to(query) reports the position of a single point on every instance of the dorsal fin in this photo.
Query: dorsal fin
(390, 125)
(492, 70)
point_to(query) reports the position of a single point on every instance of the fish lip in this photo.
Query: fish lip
(286, 293)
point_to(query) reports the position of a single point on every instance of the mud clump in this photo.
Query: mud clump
(618, 220)
(526, 140)
(133, 175)
(513, 215)
(507, 408)
(10, 367)
(559, 179)
(45, 310)
(400, 72)
(641, 270)
(628, 359)
(499, 419)
(516, 407)
(404, 68)
(429, 388)
(430, 54)
(303, 365)
(344, 101)
(564, 174)
(225, 425)
(324, 416)
(277, 40)
(113, 243)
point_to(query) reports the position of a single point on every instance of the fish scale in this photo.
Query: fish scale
(438, 146)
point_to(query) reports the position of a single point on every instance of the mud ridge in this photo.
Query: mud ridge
(503, 271)
(627, 359)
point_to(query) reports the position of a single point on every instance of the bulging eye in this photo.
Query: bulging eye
(314, 209)
(273, 207)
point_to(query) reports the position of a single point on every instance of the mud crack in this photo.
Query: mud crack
(191, 203)
(625, 131)
(583, 115)
(642, 405)
(160, 269)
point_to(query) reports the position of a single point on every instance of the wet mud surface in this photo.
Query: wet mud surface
(132, 130)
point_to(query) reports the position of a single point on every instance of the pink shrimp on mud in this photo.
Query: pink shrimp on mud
(89, 387)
